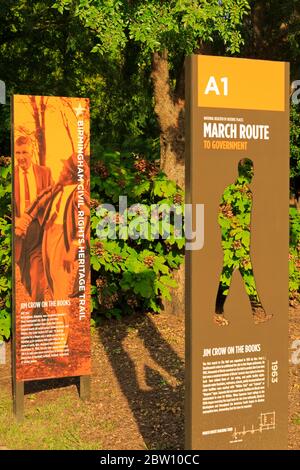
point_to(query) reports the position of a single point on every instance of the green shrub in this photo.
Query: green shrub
(235, 223)
(234, 220)
(132, 274)
(5, 247)
(294, 257)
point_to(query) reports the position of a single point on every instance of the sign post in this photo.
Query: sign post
(51, 225)
(237, 285)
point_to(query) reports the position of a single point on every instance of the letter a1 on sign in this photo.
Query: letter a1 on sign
(212, 86)
(237, 136)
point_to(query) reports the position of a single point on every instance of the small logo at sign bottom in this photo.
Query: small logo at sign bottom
(2, 352)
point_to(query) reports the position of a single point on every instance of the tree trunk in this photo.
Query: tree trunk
(169, 107)
(170, 112)
(39, 128)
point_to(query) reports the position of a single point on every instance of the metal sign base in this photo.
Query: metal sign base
(19, 394)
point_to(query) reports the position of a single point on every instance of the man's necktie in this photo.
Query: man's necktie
(26, 190)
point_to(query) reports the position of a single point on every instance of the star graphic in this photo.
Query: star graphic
(79, 110)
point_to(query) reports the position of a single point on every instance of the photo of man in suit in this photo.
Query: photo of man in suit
(30, 180)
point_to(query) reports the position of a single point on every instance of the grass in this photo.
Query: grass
(42, 427)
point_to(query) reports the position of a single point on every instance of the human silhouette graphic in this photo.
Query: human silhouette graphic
(235, 223)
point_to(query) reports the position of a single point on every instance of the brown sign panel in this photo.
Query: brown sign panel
(237, 284)
(51, 219)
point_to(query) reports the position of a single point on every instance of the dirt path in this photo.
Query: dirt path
(294, 384)
(137, 393)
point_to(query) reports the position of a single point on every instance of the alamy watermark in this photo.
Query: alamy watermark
(2, 352)
(2, 92)
(154, 222)
(295, 95)
(295, 357)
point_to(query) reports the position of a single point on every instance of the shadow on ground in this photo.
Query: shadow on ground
(50, 384)
(156, 404)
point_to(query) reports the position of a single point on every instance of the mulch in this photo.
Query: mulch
(294, 382)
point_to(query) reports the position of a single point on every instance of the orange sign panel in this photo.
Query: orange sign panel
(51, 226)
(241, 83)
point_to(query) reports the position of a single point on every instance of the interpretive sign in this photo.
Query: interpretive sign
(51, 226)
(237, 285)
